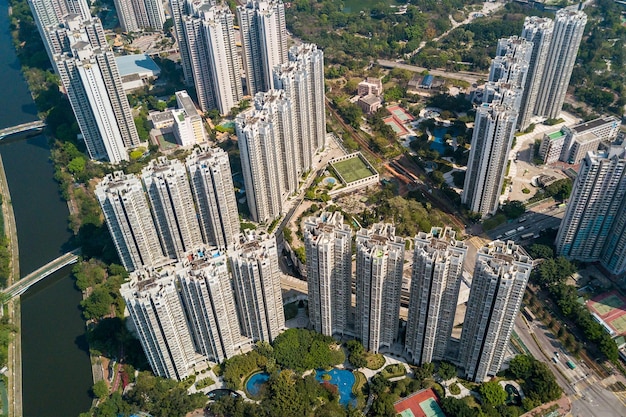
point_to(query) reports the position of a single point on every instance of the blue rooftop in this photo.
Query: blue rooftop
(138, 63)
(428, 80)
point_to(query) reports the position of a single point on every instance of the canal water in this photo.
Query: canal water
(55, 361)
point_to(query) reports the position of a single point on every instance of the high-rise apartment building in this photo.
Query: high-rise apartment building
(214, 195)
(260, 149)
(48, 14)
(275, 107)
(328, 246)
(511, 63)
(157, 311)
(494, 127)
(89, 73)
(437, 273)
(212, 56)
(209, 301)
(537, 30)
(128, 218)
(168, 190)
(302, 79)
(500, 277)
(179, 12)
(379, 265)
(264, 42)
(569, 25)
(135, 15)
(593, 226)
(256, 277)
(311, 59)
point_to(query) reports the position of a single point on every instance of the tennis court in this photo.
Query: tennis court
(400, 113)
(421, 404)
(431, 408)
(396, 125)
(611, 308)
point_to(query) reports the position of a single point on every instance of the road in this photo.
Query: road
(536, 221)
(470, 77)
(588, 395)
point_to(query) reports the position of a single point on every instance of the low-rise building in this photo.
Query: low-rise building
(370, 103)
(369, 86)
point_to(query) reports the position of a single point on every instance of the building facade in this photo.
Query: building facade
(592, 228)
(157, 312)
(128, 219)
(379, 265)
(264, 42)
(89, 74)
(207, 294)
(537, 30)
(328, 248)
(188, 124)
(256, 277)
(435, 283)
(212, 56)
(48, 14)
(136, 15)
(302, 79)
(167, 187)
(259, 146)
(214, 196)
(494, 128)
(567, 34)
(500, 276)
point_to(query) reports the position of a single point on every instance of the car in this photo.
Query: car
(555, 360)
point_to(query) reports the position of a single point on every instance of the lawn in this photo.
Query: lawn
(352, 169)
(394, 370)
(374, 361)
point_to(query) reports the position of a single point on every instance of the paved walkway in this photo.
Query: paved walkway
(15, 344)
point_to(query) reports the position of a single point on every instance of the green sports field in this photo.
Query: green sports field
(352, 169)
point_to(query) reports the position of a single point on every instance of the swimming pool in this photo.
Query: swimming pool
(438, 143)
(342, 379)
(256, 382)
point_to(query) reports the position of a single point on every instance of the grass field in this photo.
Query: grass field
(608, 304)
(352, 169)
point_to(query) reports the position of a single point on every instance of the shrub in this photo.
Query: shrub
(455, 389)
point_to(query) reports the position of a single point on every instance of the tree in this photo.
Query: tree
(100, 389)
(98, 304)
(513, 209)
(541, 251)
(357, 354)
(283, 399)
(521, 366)
(492, 393)
(446, 370)
(424, 371)
(77, 165)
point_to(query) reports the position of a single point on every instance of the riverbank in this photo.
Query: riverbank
(14, 363)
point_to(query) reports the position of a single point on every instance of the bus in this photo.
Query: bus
(528, 314)
(571, 365)
(510, 232)
(527, 235)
